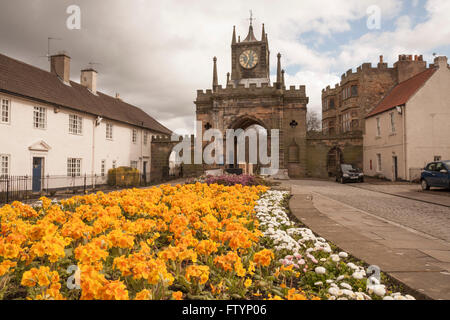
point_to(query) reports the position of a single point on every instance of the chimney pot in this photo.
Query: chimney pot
(60, 66)
(381, 59)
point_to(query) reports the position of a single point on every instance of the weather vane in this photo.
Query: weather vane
(251, 17)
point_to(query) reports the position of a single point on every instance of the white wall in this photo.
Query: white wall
(389, 145)
(17, 136)
(428, 122)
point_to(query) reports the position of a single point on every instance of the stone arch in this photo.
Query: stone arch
(245, 121)
(335, 158)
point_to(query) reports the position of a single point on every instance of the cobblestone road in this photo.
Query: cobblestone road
(431, 219)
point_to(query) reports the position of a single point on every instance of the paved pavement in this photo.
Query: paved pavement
(408, 239)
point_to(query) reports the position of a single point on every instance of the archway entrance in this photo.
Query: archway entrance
(334, 160)
(253, 131)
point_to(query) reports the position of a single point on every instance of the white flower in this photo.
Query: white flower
(330, 281)
(410, 297)
(379, 290)
(343, 255)
(346, 286)
(332, 298)
(320, 270)
(388, 298)
(318, 284)
(333, 291)
(357, 275)
(340, 278)
(335, 258)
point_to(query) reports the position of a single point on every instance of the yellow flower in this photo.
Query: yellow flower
(248, 283)
(177, 295)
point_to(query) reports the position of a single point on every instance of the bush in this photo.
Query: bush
(124, 177)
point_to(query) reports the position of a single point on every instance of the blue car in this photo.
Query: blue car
(436, 174)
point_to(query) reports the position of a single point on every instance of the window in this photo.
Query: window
(393, 122)
(75, 124)
(145, 138)
(134, 164)
(4, 165)
(134, 136)
(346, 122)
(437, 158)
(440, 167)
(331, 104)
(379, 162)
(325, 105)
(103, 168)
(40, 117)
(354, 91)
(109, 131)
(73, 167)
(114, 164)
(378, 127)
(4, 111)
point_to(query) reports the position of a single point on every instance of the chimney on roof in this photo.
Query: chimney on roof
(407, 67)
(89, 79)
(60, 65)
(118, 96)
(441, 62)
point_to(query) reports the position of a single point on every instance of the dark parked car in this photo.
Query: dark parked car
(436, 174)
(346, 173)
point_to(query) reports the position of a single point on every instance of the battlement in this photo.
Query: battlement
(252, 89)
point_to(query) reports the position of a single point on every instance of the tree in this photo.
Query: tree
(313, 123)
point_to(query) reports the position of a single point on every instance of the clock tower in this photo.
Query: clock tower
(249, 100)
(250, 59)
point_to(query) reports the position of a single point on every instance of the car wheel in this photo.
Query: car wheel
(362, 180)
(342, 181)
(425, 186)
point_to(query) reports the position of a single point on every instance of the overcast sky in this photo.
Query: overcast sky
(156, 54)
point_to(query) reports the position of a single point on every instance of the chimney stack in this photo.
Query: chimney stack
(441, 62)
(407, 67)
(60, 65)
(89, 79)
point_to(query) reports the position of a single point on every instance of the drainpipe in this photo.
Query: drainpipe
(94, 123)
(404, 141)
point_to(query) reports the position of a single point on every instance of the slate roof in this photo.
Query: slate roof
(24, 80)
(402, 92)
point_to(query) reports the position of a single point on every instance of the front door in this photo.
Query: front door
(37, 174)
(395, 159)
(144, 171)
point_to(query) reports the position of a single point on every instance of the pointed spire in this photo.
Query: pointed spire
(233, 41)
(279, 71)
(263, 34)
(215, 79)
(251, 35)
(282, 79)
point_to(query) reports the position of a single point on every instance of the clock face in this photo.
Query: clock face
(248, 59)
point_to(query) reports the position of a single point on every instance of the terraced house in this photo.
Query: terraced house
(51, 126)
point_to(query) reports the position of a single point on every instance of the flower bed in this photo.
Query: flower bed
(328, 274)
(195, 241)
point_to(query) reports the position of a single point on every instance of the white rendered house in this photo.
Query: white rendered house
(51, 126)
